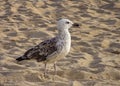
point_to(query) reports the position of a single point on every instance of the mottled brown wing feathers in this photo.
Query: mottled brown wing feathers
(41, 51)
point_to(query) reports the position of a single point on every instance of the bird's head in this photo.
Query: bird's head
(65, 24)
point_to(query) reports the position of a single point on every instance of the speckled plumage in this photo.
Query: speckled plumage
(51, 50)
(42, 50)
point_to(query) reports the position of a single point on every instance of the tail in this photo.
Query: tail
(21, 58)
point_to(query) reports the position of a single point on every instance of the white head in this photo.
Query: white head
(64, 24)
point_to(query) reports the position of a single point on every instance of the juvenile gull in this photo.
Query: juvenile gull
(51, 50)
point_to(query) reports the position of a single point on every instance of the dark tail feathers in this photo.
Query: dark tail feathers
(20, 58)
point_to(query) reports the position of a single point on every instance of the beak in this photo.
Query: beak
(76, 25)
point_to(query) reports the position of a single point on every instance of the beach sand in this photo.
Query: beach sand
(94, 59)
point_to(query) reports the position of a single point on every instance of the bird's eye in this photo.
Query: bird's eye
(67, 22)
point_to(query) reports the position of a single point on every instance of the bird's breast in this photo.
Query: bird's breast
(65, 46)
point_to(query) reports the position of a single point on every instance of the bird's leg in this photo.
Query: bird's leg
(45, 69)
(55, 69)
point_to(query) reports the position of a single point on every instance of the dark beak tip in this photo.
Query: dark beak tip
(76, 25)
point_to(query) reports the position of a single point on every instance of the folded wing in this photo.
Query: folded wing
(40, 51)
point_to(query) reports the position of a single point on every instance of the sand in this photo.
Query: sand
(94, 59)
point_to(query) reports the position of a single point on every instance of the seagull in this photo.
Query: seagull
(54, 49)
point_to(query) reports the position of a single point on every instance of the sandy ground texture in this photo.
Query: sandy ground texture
(94, 59)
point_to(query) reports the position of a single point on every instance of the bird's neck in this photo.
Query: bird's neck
(64, 38)
(64, 34)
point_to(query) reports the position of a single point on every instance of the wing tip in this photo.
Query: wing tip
(20, 59)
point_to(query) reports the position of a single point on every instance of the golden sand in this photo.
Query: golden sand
(94, 59)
